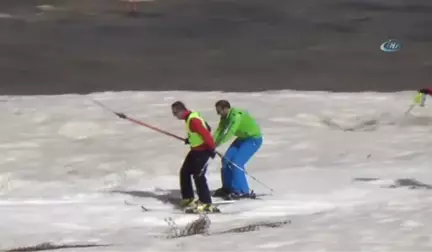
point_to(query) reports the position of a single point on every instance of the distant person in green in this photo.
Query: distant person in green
(235, 122)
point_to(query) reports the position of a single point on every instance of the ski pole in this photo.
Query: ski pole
(411, 107)
(238, 167)
(123, 116)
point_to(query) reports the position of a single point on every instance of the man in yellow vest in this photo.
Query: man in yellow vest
(420, 98)
(195, 164)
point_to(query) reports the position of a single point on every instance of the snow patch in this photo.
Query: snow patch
(79, 130)
(53, 188)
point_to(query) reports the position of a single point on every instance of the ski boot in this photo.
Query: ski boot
(203, 208)
(220, 193)
(239, 196)
(187, 203)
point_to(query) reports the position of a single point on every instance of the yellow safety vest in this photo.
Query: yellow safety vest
(195, 139)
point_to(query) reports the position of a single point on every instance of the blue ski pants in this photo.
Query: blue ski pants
(240, 152)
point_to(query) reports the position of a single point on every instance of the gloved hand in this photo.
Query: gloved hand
(121, 115)
(212, 153)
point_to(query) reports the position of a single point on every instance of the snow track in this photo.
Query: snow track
(67, 167)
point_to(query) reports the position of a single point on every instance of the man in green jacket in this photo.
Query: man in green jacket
(235, 122)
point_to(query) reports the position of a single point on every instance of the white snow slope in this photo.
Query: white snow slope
(62, 158)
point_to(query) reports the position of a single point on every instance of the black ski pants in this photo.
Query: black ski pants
(195, 165)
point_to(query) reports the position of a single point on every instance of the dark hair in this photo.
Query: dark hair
(178, 105)
(223, 104)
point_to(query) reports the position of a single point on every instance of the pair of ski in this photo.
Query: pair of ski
(216, 203)
(222, 201)
(194, 210)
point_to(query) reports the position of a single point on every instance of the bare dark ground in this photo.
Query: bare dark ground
(85, 46)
